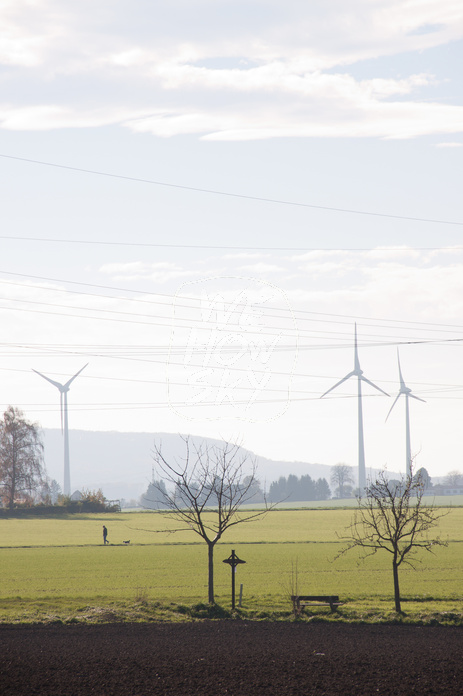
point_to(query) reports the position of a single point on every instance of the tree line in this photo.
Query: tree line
(292, 489)
(296, 488)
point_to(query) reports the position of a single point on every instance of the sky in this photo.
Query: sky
(202, 199)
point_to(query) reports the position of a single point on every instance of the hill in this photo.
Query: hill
(121, 463)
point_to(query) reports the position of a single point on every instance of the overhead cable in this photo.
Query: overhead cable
(228, 194)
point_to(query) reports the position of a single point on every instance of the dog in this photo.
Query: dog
(126, 542)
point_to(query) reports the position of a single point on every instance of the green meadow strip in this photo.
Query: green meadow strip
(59, 570)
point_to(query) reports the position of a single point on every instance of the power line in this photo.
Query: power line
(187, 325)
(95, 242)
(232, 368)
(409, 323)
(78, 408)
(228, 194)
(430, 389)
(423, 386)
(230, 331)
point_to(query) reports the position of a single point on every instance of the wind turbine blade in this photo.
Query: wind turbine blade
(403, 387)
(69, 382)
(357, 369)
(351, 374)
(395, 401)
(412, 396)
(52, 381)
(364, 379)
(402, 383)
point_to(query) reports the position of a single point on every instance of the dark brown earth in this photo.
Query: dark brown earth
(233, 658)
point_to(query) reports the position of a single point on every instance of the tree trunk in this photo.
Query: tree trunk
(210, 548)
(395, 572)
(12, 488)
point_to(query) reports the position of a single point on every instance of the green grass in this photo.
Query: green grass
(59, 570)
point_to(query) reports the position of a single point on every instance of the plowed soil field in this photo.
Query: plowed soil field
(232, 658)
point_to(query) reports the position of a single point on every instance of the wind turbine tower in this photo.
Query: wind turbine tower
(63, 389)
(358, 372)
(407, 392)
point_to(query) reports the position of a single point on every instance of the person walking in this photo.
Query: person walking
(105, 535)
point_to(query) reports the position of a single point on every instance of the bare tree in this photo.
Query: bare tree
(393, 517)
(342, 480)
(21, 456)
(205, 491)
(48, 492)
(454, 478)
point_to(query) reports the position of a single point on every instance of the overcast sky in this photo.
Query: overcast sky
(200, 199)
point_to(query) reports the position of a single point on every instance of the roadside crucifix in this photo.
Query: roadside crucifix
(233, 561)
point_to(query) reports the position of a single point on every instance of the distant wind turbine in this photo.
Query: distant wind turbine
(64, 388)
(358, 372)
(408, 392)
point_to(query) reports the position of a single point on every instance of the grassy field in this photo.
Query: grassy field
(58, 569)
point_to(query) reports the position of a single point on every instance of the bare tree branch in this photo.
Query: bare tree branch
(206, 490)
(394, 517)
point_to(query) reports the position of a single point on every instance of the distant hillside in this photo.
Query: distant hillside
(121, 463)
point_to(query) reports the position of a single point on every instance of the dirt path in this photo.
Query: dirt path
(230, 658)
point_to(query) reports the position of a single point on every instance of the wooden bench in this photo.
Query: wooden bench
(301, 601)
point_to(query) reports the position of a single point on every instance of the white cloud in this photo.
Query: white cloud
(243, 255)
(52, 116)
(373, 119)
(27, 33)
(281, 87)
(261, 268)
(315, 35)
(395, 284)
(161, 272)
(133, 267)
(453, 251)
(327, 268)
(317, 254)
(291, 76)
(431, 293)
(383, 254)
(449, 144)
(355, 119)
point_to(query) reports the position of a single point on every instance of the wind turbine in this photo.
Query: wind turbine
(408, 392)
(64, 388)
(358, 372)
